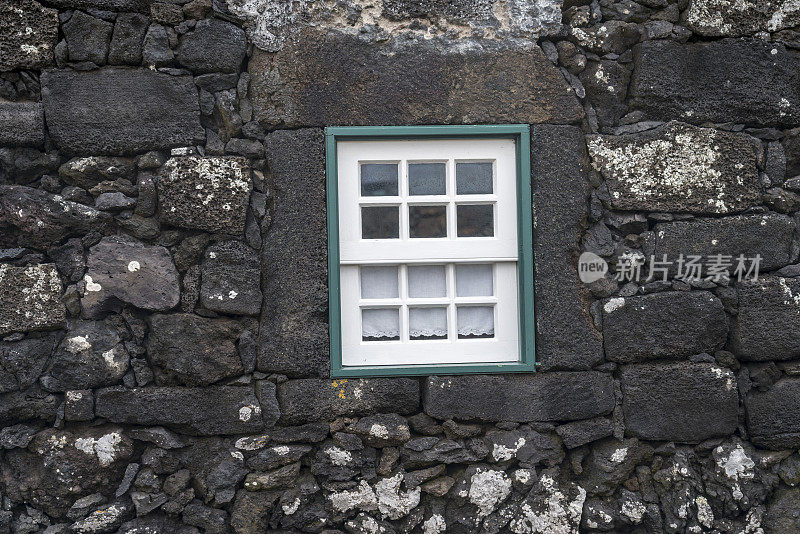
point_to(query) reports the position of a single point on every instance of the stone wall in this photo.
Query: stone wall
(163, 295)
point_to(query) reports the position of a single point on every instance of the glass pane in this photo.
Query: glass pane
(379, 283)
(378, 179)
(474, 178)
(475, 220)
(427, 323)
(426, 281)
(380, 324)
(380, 222)
(474, 281)
(475, 322)
(427, 178)
(428, 221)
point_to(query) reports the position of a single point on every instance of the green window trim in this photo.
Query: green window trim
(520, 133)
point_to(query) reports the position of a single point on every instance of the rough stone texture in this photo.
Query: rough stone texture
(142, 6)
(30, 298)
(566, 338)
(294, 326)
(663, 325)
(24, 361)
(719, 18)
(773, 419)
(721, 81)
(679, 401)
(679, 168)
(29, 36)
(199, 411)
(554, 396)
(213, 46)
(21, 124)
(205, 193)
(87, 38)
(120, 111)
(231, 281)
(126, 42)
(320, 79)
(767, 326)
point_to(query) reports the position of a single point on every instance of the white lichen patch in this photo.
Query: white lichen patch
(705, 516)
(90, 284)
(619, 455)
(105, 448)
(361, 498)
(716, 18)
(99, 520)
(393, 503)
(133, 266)
(247, 412)
(31, 298)
(557, 515)
(736, 465)
(77, 344)
(488, 489)
(502, 453)
(251, 443)
(379, 431)
(634, 510)
(613, 304)
(435, 524)
(292, 507)
(338, 457)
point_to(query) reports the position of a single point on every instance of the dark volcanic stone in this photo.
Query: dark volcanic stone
(79, 405)
(320, 79)
(773, 417)
(555, 396)
(606, 84)
(566, 337)
(231, 279)
(141, 6)
(718, 18)
(382, 430)
(672, 324)
(679, 168)
(322, 400)
(126, 42)
(89, 172)
(722, 81)
(580, 433)
(87, 38)
(198, 411)
(198, 351)
(294, 326)
(213, 46)
(22, 362)
(30, 298)
(21, 124)
(767, 326)
(28, 405)
(29, 35)
(679, 401)
(156, 524)
(782, 513)
(120, 111)
(525, 445)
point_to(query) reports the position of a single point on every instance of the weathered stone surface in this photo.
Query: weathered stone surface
(767, 326)
(29, 36)
(88, 461)
(782, 513)
(382, 430)
(720, 18)
(30, 298)
(156, 524)
(611, 462)
(231, 279)
(141, 6)
(87, 38)
(773, 416)
(319, 79)
(91, 355)
(123, 269)
(205, 193)
(294, 326)
(566, 337)
(90, 171)
(679, 401)
(771, 236)
(554, 396)
(606, 83)
(750, 82)
(612, 36)
(525, 445)
(33, 218)
(196, 350)
(126, 42)
(120, 111)
(21, 124)
(22, 362)
(678, 168)
(213, 46)
(322, 400)
(79, 405)
(580, 433)
(672, 324)
(199, 411)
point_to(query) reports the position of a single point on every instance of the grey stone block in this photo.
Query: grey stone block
(773, 416)
(231, 279)
(29, 36)
(767, 326)
(21, 124)
(30, 298)
(87, 38)
(715, 18)
(213, 46)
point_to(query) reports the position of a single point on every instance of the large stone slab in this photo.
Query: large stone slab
(721, 18)
(294, 326)
(30, 298)
(566, 337)
(21, 124)
(678, 168)
(554, 396)
(663, 325)
(213, 46)
(682, 402)
(29, 36)
(231, 279)
(200, 411)
(319, 79)
(767, 326)
(205, 193)
(773, 416)
(751, 82)
(120, 111)
(313, 399)
(770, 235)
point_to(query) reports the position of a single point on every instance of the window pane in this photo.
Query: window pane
(427, 323)
(379, 282)
(475, 322)
(426, 281)
(427, 178)
(380, 222)
(378, 179)
(428, 221)
(474, 178)
(475, 220)
(474, 281)
(380, 324)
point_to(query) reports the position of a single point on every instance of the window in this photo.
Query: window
(429, 250)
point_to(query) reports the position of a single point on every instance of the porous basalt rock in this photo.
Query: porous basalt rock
(718, 18)
(21, 124)
(25, 360)
(30, 32)
(213, 46)
(231, 281)
(772, 416)
(31, 298)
